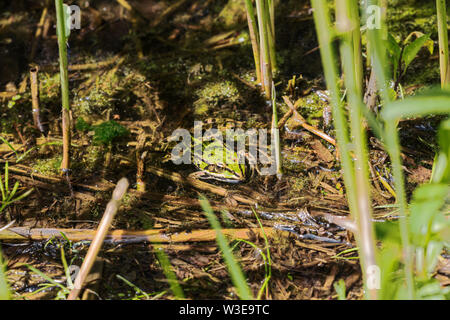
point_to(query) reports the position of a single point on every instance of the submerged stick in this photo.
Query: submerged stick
(307, 126)
(105, 223)
(128, 237)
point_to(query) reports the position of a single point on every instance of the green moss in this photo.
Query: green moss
(97, 101)
(82, 125)
(108, 131)
(312, 108)
(216, 94)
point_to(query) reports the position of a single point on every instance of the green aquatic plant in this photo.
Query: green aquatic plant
(168, 272)
(9, 195)
(237, 276)
(401, 54)
(62, 290)
(339, 286)
(139, 293)
(265, 256)
(401, 253)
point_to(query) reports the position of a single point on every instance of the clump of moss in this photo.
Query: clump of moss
(216, 94)
(107, 132)
(92, 159)
(49, 166)
(82, 125)
(312, 108)
(97, 101)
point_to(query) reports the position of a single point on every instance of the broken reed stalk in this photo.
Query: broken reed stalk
(443, 42)
(254, 38)
(62, 44)
(276, 134)
(124, 236)
(35, 98)
(94, 248)
(347, 21)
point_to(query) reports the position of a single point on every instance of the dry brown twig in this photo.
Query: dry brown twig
(105, 223)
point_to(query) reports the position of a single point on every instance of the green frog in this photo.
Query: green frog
(219, 163)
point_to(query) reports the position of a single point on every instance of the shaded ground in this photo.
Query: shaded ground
(152, 75)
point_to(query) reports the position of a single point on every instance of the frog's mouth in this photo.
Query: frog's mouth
(222, 173)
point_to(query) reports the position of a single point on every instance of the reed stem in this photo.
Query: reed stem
(325, 34)
(270, 18)
(254, 38)
(348, 26)
(62, 45)
(443, 42)
(266, 67)
(378, 58)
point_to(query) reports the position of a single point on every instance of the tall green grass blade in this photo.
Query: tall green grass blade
(269, 259)
(168, 272)
(4, 289)
(136, 288)
(393, 147)
(376, 39)
(66, 268)
(9, 145)
(347, 22)
(237, 276)
(326, 35)
(64, 289)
